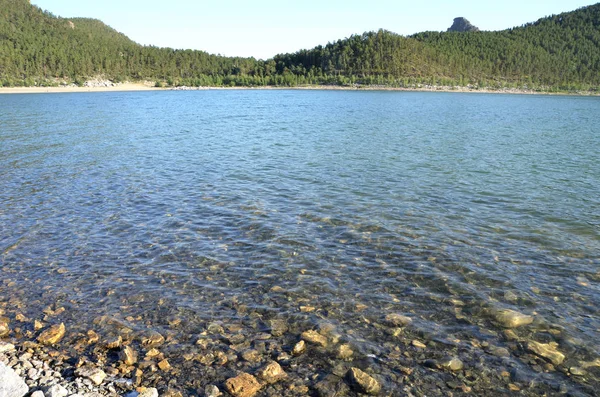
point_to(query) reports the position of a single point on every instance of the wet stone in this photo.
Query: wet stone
(243, 385)
(127, 355)
(315, 338)
(418, 344)
(153, 339)
(271, 373)
(511, 318)
(52, 335)
(397, 320)
(4, 328)
(548, 351)
(113, 342)
(362, 382)
(96, 375)
(344, 352)
(148, 392)
(299, 348)
(452, 364)
(576, 371)
(252, 356)
(164, 365)
(278, 327)
(212, 391)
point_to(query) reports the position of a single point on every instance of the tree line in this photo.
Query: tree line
(560, 52)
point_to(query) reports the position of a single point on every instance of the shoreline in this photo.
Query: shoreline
(133, 87)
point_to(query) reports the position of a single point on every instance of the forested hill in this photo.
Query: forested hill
(557, 52)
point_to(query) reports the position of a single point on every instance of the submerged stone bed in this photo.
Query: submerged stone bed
(258, 357)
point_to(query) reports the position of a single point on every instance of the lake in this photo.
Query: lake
(232, 221)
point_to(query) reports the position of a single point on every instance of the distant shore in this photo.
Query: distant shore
(146, 86)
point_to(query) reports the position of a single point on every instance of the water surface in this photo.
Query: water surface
(172, 210)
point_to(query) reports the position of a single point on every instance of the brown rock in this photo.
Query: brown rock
(362, 382)
(127, 355)
(96, 375)
(4, 329)
(315, 338)
(344, 352)
(113, 342)
(271, 373)
(153, 339)
(52, 335)
(299, 348)
(164, 365)
(243, 385)
(547, 351)
(251, 355)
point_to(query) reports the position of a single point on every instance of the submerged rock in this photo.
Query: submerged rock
(4, 329)
(212, 391)
(511, 318)
(315, 338)
(452, 364)
(153, 339)
(52, 335)
(362, 382)
(127, 355)
(344, 352)
(92, 373)
(548, 351)
(271, 373)
(299, 348)
(243, 385)
(278, 327)
(397, 320)
(11, 385)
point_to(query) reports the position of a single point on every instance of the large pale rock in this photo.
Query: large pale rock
(56, 391)
(52, 335)
(548, 351)
(11, 385)
(272, 373)
(511, 318)
(6, 347)
(363, 382)
(244, 385)
(94, 374)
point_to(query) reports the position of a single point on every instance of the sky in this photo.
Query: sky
(264, 28)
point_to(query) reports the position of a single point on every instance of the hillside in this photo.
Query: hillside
(560, 52)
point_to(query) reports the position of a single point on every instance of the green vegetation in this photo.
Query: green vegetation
(561, 52)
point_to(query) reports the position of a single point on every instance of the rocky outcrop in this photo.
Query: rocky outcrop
(462, 25)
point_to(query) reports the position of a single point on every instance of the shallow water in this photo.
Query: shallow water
(172, 210)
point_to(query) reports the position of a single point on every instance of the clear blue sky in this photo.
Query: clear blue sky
(264, 28)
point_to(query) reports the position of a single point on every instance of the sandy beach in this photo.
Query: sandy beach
(148, 86)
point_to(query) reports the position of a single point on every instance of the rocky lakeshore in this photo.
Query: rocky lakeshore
(260, 357)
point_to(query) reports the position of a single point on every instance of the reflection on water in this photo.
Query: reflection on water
(170, 211)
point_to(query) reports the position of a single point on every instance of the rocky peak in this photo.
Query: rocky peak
(462, 25)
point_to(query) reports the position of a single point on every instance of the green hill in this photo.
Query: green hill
(560, 52)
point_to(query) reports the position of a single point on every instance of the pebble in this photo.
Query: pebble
(92, 373)
(153, 339)
(164, 365)
(56, 391)
(212, 391)
(344, 352)
(52, 335)
(148, 392)
(271, 373)
(452, 364)
(278, 327)
(243, 385)
(363, 382)
(6, 347)
(397, 320)
(511, 318)
(315, 338)
(418, 344)
(548, 351)
(299, 348)
(128, 356)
